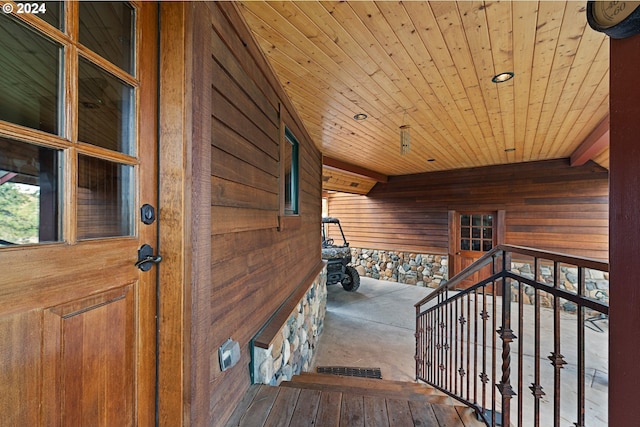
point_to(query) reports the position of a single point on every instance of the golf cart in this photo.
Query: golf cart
(338, 256)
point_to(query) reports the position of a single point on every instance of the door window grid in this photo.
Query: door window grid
(70, 153)
(476, 232)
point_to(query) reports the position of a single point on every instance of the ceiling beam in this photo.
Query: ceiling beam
(592, 145)
(6, 177)
(339, 165)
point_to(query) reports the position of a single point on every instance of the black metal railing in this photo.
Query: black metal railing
(486, 345)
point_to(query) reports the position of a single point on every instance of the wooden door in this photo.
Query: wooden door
(471, 235)
(77, 161)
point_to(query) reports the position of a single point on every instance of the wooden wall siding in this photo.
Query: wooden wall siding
(549, 205)
(255, 254)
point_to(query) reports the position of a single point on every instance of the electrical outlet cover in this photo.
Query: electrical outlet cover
(229, 354)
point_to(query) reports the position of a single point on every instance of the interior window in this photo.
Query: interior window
(51, 12)
(105, 198)
(105, 109)
(29, 193)
(290, 161)
(114, 41)
(29, 97)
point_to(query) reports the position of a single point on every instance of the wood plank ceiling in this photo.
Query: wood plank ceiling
(429, 65)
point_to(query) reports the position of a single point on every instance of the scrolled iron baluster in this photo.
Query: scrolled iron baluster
(506, 334)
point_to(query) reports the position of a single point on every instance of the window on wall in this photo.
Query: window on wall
(69, 73)
(290, 161)
(476, 232)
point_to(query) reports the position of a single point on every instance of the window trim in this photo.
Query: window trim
(294, 193)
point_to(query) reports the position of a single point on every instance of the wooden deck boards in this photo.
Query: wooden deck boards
(359, 403)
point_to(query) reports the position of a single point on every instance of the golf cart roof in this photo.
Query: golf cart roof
(330, 220)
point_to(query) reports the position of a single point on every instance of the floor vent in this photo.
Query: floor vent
(351, 372)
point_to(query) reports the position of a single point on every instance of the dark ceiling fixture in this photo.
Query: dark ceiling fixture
(617, 19)
(503, 77)
(405, 136)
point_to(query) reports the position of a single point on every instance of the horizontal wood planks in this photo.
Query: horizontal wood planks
(293, 405)
(430, 65)
(255, 260)
(333, 180)
(549, 205)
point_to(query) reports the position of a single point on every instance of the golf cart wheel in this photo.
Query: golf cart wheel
(351, 280)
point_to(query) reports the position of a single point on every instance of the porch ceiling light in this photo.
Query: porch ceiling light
(405, 136)
(360, 116)
(405, 139)
(503, 77)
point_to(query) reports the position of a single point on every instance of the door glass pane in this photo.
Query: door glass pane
(475, 245)
(476, 220)
(105, 109)
(475, 233)
(107, 28)
(105, 198)
(464, 220)
(486, 245)
(487, 220)
(30, 91)
(53, 12)
(29, 193)
(465, 245)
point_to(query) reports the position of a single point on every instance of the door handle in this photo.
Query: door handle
(457, 253)
(146, 258)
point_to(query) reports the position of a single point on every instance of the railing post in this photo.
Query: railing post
(507, 336)
(581, 345)
(418, 356)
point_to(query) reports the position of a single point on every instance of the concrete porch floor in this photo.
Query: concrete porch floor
(374, 328)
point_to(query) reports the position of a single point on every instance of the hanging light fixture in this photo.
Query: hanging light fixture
(405, 139)
(405, 136)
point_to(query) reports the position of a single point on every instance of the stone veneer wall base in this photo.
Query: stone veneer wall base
(291, 350)
(427, 270)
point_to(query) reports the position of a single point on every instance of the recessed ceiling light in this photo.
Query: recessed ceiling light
(360, 116)
(502, 77)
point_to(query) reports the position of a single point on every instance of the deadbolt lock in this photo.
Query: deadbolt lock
(147, 214)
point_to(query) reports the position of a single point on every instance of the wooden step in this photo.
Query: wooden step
(366, 383)
(289, 406)
(370, 387)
